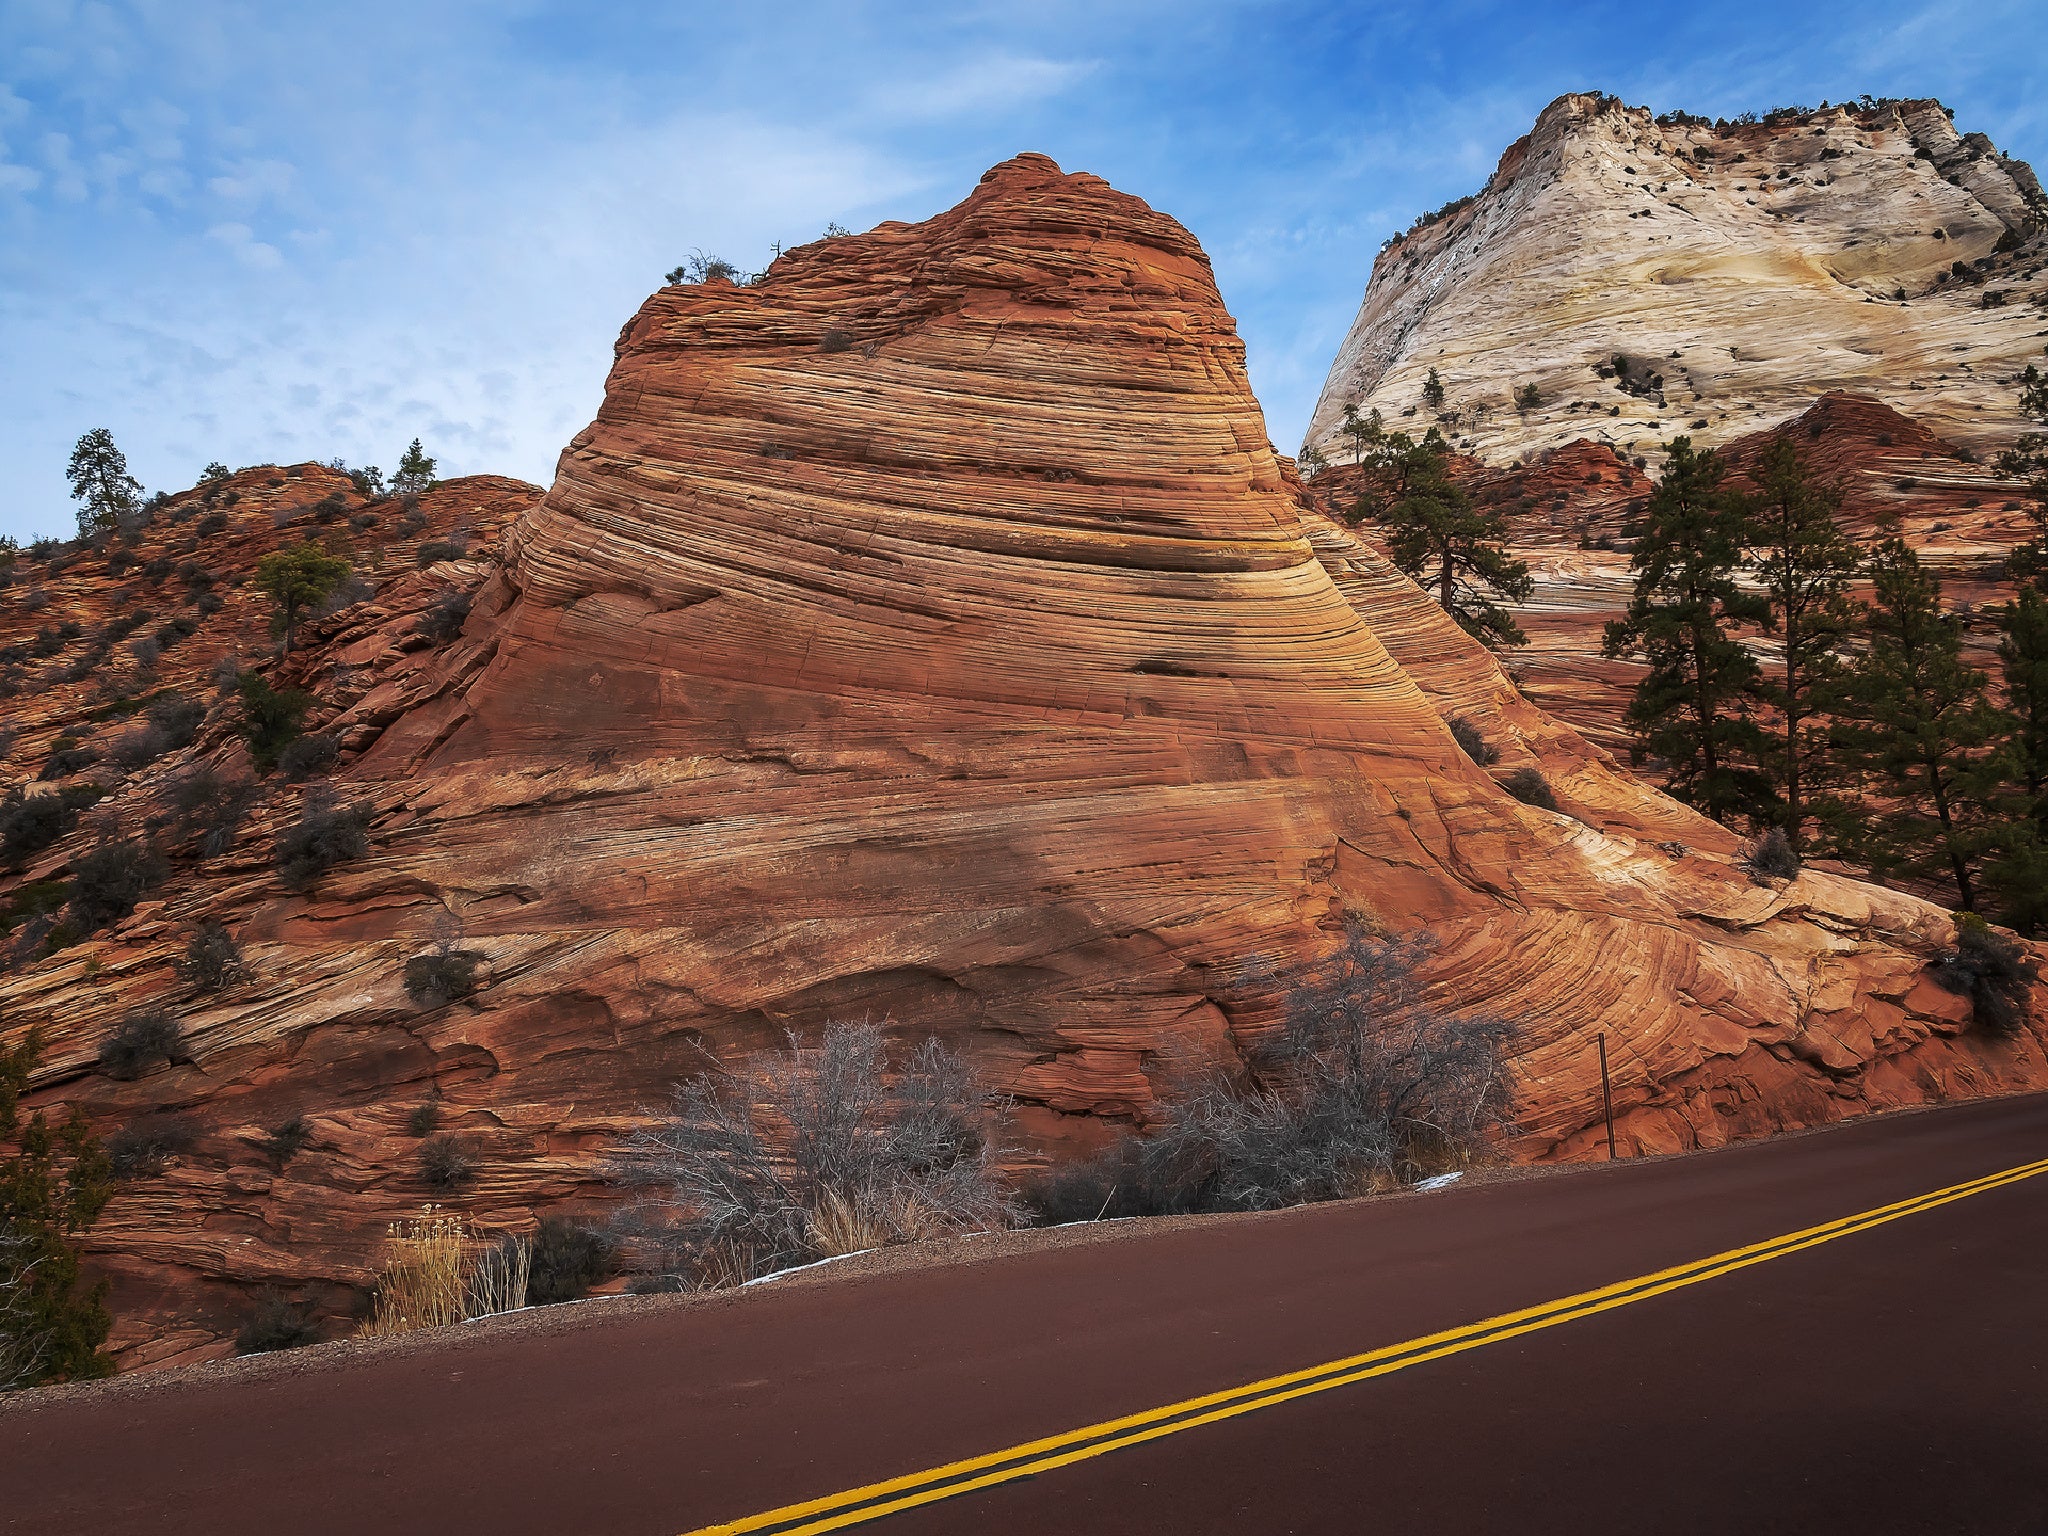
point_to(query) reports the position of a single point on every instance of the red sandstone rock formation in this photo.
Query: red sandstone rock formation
(929, 631)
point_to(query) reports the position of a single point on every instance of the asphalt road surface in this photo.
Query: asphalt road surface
(1882, 1377)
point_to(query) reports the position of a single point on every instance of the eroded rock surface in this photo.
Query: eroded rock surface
(1742, 269)
(930, 632)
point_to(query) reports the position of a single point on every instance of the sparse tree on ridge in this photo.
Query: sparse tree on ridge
(1694, 709)
(1915, 718)
(100, 483)
(1805, 564)
(415, 472)
(1433, 391)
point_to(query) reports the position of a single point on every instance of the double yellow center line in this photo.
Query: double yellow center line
(857, 1506)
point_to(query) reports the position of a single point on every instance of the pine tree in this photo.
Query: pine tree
(52, 1187)
(101, 485)
(415, 472)
(1694, 708)
(2027, 460)
(1914, 717)
(1433, 391)
(298, 579)
(2017, 869)
(1805, 563)
(1454, 549)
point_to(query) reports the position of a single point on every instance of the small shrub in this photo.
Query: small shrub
(435, 980)
(835, 341)
(568, 1258)
(1472, 741)
(1531, 788)
(326, 834)
(1772, 856)
(277, 1323)
(271, 717)
(1993, 972)
(424, 1120)
(434, 552)
(142, 1039)
(66, 757)
(443, 622)
(308, 755)
(288, 1140)
(214, 522)
(144, 1147)
(108, 882)
(446, 1163)
(1117, 1182)
(208, 807)
(213, 961)
(31, 823)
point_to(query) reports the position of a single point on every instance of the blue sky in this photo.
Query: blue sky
(264, 232)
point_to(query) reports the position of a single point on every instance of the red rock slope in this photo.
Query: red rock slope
(930, 632)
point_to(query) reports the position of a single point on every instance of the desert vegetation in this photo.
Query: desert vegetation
(1365, 1087)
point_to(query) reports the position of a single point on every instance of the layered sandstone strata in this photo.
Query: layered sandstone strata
(1740, 268)
(929, 632)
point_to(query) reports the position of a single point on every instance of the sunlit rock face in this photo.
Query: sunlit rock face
(928, 632)
(1742, 269)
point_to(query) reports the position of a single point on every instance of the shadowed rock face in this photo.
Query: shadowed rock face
(930, 632)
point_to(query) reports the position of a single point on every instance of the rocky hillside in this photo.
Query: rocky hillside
(1653, 276)
(926, 632)
(1567, 509)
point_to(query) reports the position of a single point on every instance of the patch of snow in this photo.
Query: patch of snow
(1441, 1181)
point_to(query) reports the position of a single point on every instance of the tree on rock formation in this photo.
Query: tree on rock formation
(1915, 719)
(1433, 391)
(2027, 460)
(100, 483)
(1805, 563)
(1695, 708)
(415, 472)
(1455, 549)
(2016, 870)
(297, 579)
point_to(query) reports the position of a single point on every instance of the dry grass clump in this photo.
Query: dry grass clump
(438, 1270)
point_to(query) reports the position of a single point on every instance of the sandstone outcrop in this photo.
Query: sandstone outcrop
(1740, 268)
(928, 631)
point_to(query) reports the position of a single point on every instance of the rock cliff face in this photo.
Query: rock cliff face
(1741, 269)
(929, 632)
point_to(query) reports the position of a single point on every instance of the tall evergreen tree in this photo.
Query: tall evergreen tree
(1805, 564)
(1453, 548)
(415, 472)
(2017, 868)
(1915, 718)
(1695, 707)
(101, 485)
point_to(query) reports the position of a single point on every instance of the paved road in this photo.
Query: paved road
(1891, 1380)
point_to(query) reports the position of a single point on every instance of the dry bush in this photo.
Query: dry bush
(1530, 787)
(1365, 1087)
(817, 1150)
(1994, 973)
(326, 834)
(213, 960)
(1772, 857)
(143, 1038)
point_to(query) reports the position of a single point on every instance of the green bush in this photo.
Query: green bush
(567, 1259)
(270, 717)
(1531, 788)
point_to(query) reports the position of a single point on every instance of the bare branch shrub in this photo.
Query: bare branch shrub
(1772, 857)
(1365, 1087)
(213, 960)
(818, 1150)
(1530, 787)
(141, 1039)
(1993, 972)
(326, 834)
